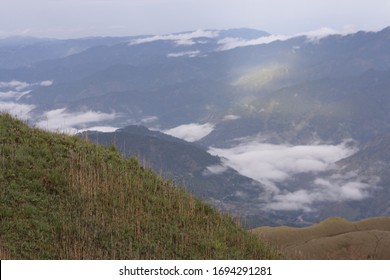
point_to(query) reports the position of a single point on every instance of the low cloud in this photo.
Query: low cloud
(149, 119)
(315, 36)
(230, 118)
(16, 85)
(322, 190)
(179, 39)
(70, 122)
(100, 128)
(191, 132)
(46, 83)
(269, 162)
(21, 111)
(12, 95)
(188, 54)
(232, 43)
(19, 85)
(215, 170)
(275, 166)
(55, 120)
(14, 90)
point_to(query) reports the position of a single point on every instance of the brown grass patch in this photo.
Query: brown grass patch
(334, 238)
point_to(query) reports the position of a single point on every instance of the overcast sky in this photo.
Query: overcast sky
(79, 18)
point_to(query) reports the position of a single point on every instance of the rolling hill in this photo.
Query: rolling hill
(334, 238)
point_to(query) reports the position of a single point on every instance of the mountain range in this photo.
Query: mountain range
(278, 129)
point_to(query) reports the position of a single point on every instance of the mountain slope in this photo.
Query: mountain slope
(64, 198)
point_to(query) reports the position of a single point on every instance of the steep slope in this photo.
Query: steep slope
(64, 198)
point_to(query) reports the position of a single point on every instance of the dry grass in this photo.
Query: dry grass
(334, 238)
(4, 254)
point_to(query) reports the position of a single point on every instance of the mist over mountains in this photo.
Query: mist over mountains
(278, 129)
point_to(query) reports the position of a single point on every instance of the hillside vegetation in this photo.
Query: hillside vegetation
(334, 238)
(62, 197)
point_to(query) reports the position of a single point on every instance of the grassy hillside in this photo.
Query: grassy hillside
(334, 238)
(64, 198)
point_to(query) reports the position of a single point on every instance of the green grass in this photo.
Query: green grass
(62, 197)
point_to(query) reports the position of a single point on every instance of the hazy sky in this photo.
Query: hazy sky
(78, 18)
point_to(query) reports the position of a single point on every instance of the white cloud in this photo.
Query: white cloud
(318, 34)
(338, 190)
(188, 54)
(230, 118)
(179, 39)
(315, 36)
(12, 91)
(273, 165)
(149, 119)
(9, 98)
(289, 201)
(322, 190)
(215, 169)
(191, 132)
(100, 128)
(268, 162)
(21, 111)
(232, 43)
(17, 85)
(12, 95)
(60, 120)
(46, 83)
